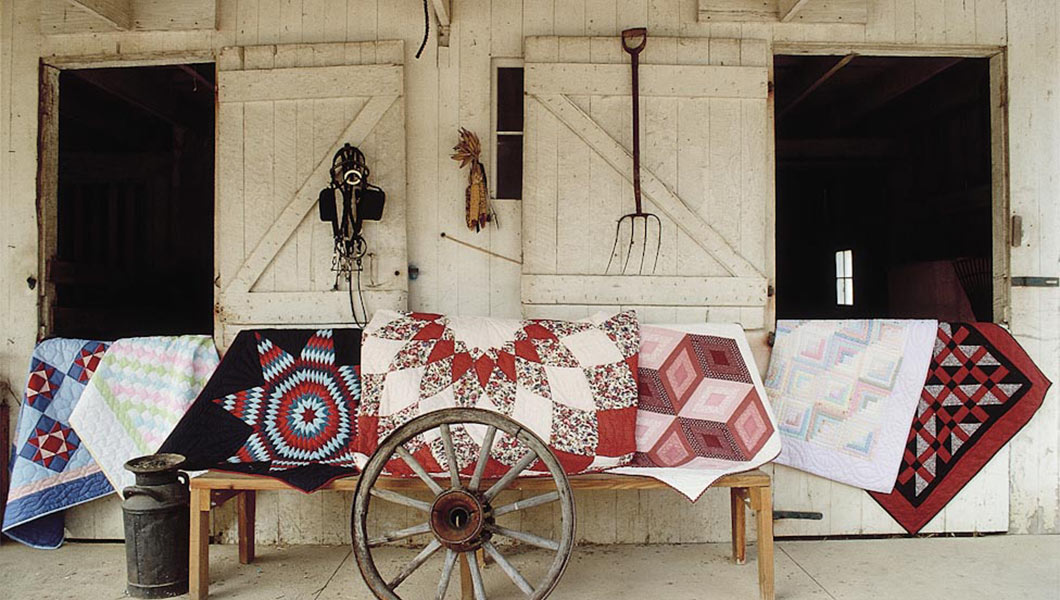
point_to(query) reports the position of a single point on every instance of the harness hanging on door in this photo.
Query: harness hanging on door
(361, 201)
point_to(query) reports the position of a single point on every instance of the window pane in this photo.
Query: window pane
(509, 167)
(839, 263)
(509, 99)
(848, 260)
(848, 284)
(840, 289)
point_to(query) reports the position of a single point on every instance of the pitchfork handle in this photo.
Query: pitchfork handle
(634, 55)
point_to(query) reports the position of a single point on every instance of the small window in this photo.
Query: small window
(508, 128)
(844, 277)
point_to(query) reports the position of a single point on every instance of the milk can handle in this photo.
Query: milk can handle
(135, 490)
(183, 478)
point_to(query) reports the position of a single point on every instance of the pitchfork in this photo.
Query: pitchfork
(629, 38)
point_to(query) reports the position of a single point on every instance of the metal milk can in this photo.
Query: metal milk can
(155, 512)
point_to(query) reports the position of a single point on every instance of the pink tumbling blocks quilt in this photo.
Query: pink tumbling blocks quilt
(845, 392)
(702, 410)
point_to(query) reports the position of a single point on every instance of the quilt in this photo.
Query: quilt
(282, 403)
(51, 471)
(701, 412)
(573, 383)
(141, 389)
(982, 388)
(844, 393)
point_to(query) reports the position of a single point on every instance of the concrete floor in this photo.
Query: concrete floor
(997, 567)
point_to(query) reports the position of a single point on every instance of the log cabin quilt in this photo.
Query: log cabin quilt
(140, 391)
(282, 403)
(981, 389)
(51, 470)
(702, 410)
(844, 393)
(573, 383)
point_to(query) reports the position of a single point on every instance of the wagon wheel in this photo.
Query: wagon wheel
(461, 516)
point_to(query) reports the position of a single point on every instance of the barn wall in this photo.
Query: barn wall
(449, 88)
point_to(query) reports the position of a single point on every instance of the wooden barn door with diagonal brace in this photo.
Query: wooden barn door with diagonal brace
(283, 113)
(706, 171)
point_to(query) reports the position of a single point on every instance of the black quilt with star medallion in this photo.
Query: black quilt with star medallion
(282, 403)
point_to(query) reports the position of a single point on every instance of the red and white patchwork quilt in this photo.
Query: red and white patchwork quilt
(573, 383)
(702, 411)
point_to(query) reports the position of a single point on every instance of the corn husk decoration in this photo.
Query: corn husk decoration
(477, 206)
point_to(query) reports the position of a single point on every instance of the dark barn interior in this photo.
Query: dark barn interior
(135, 215)
(889, 158)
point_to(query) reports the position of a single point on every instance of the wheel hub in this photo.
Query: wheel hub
(458, 520)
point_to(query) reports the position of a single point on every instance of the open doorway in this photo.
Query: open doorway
(131, 231)
(884, 192)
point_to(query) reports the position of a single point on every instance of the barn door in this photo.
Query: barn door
(706, 170)
(283, 113)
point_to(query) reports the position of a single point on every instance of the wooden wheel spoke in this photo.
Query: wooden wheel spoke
(483, 458)
(400, 534)
(476, 576)
(508, 568)
(447, 574)
(510, 476)
(526, 503)
(417, 468)
(397, 498)
(524, 536)
(415, 563)
(450, 455)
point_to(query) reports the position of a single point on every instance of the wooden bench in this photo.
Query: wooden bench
(750, 487)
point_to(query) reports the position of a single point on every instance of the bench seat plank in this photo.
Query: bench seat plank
(220, 480)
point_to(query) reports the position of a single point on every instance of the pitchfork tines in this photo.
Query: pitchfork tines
(633, 218)
(633, 41)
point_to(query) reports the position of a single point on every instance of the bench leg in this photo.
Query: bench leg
(199, 552)
(739, 524)
(245, 507)
(762, 503)
(467, 588)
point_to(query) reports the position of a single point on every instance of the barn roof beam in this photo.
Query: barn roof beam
(443, 10)
(151, 99)
(789, 9)
(894, 83)
(118, 13)
(817, 82)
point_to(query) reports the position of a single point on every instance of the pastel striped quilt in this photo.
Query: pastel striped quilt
(141, 389)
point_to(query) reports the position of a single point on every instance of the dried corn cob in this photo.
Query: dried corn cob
(477, 198)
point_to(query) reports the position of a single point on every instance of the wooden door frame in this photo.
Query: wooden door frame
(1001, 238)
(48, 151)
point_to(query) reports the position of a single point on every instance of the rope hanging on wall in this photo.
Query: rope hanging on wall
(426, 28)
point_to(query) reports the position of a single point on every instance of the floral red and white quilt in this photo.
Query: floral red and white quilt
(573, 383)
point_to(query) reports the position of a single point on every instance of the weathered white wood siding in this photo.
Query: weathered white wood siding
(283, 112)
(706, 171)
(449, 87)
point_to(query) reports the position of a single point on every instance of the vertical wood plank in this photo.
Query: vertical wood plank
(290, 21)
(506, 28)
(228, 236)
(284, 268)
(538, 17)
(259, 208)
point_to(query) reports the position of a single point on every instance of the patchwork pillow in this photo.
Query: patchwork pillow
(572, 383)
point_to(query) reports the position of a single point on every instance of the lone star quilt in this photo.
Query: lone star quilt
(701, 412)
(844, 393)
(573, 383)
(141, 389)
(981, 389)
(51, 470)
(282, 403)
